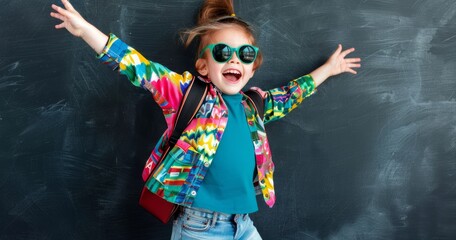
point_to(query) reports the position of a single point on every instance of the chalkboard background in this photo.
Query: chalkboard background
(370, 156)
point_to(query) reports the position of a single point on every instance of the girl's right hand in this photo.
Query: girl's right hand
(79, 27)
(72, 20)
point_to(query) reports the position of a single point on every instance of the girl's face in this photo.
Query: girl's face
(229, 77)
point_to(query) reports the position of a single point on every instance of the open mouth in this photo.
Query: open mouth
(232, 75)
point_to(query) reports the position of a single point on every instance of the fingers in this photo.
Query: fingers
(353, 65)
(68, 5)
(346, 52)
(60, 10)
(58, 16)
(350, 62)
(338, 50)
(342, 64)
(353, 60)
(62, 14)
(351, 71)
(59, 26)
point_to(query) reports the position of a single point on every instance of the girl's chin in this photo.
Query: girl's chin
(230, 90)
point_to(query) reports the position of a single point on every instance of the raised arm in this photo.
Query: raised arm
(336, 64)
(166, 86)
(78, 26)
(280, 101)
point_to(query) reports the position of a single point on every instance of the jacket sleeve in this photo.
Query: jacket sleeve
(166, 86)
(282, 100)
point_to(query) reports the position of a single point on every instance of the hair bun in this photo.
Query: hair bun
(215, 9)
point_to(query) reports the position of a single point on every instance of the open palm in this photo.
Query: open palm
(339, 64)
(71, 19)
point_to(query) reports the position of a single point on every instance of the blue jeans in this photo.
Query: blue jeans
(200, 224)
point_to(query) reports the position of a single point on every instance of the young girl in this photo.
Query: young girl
(210, 170)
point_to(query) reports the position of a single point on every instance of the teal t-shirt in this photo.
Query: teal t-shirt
(228, 185)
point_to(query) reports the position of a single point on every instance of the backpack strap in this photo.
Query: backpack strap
(257, 101)
(190, 105)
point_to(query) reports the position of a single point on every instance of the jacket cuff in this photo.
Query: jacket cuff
(308, 83)
(113, 52)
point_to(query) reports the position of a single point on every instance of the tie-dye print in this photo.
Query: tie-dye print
(179, 176)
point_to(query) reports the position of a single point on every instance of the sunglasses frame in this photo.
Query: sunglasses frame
(233, 50)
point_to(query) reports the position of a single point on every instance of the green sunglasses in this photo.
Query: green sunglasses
(222, 52)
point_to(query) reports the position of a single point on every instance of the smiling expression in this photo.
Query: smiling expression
(229, 77)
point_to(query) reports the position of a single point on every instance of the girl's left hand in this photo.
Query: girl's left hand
(338, 64)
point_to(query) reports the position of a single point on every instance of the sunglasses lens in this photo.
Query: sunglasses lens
(221, 52)
(247, 54)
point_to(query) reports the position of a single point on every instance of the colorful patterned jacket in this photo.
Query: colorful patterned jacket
(179, 176)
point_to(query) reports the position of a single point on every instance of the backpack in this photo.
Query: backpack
(191, 103)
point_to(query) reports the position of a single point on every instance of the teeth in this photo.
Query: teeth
(232, 71)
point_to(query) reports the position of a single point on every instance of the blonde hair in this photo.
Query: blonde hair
(215, 15)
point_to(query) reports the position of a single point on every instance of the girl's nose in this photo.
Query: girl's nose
(234, 59)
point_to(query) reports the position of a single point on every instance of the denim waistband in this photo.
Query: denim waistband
(208, 214)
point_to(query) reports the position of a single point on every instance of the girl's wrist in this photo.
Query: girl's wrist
(94, 37)
(327, 70)
(86, 27)
(321, 74)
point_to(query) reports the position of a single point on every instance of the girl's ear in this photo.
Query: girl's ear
(201, 66)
